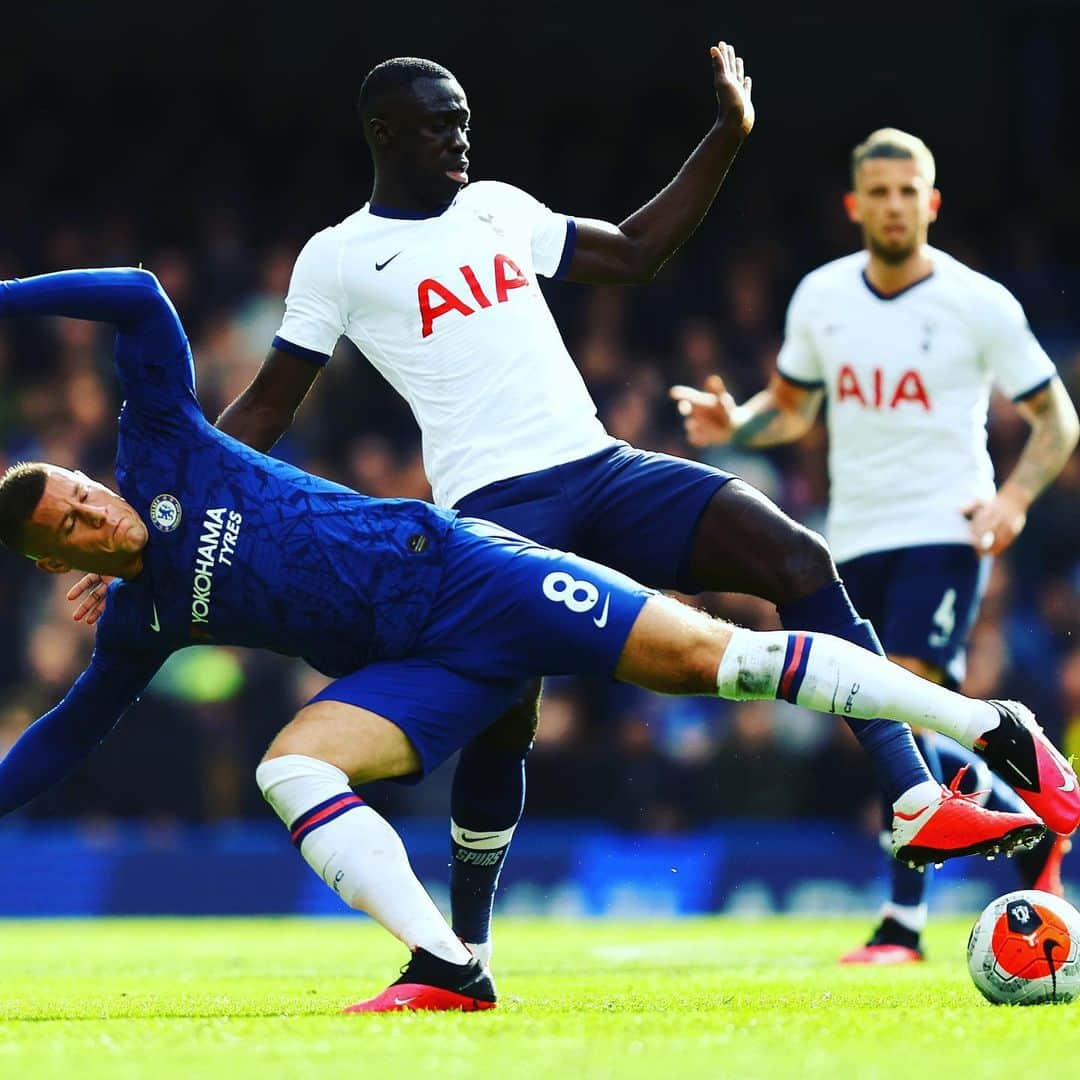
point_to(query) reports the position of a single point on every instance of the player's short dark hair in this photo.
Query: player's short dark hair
(401, 71)
(896, 144)
(21, 488)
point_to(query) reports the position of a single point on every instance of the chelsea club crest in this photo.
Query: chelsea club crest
(165, 512)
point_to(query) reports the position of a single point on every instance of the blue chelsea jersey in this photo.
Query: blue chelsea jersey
(243, 549)
(248, 550)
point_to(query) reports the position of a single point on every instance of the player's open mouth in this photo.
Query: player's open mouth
(461, 174)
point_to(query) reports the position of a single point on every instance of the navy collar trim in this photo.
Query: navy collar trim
(406, 215)
(893, 295)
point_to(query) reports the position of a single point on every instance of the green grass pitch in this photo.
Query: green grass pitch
(580, 1000)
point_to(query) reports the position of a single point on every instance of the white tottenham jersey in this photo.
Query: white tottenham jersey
(907, 381)
(448, 309)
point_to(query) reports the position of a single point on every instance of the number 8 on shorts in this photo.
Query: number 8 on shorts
(578, 596)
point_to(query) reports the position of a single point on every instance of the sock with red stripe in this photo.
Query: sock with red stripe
(355, 851)
(890, 747)
(818, 671)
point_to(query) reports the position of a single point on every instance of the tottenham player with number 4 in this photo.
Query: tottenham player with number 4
(435, 280)
(904, 342)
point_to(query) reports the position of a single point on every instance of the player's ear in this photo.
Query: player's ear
(379, 131)
(851, 205)
(935, 204)
(51, 565)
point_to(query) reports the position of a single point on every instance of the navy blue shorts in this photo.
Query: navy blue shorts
(922, 600)
(630, 509)
(508, 610)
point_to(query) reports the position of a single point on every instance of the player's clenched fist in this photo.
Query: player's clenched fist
(708, 415)
(733, 87)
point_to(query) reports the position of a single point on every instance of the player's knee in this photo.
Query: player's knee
(805, 566)
(280, 746)
(294, 739)
(515, 730)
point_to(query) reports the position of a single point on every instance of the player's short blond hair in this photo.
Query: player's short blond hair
(894, 143)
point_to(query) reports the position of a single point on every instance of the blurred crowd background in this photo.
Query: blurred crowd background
(209, 150)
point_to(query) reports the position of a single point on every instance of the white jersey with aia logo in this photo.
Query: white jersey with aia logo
(907, 380)
(449, 310)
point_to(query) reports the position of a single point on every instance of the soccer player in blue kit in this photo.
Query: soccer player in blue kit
(429, 623)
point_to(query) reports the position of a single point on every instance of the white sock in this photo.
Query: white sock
(912, 918)
(355, 851)
(831, 675)
(917, 798)
(482, 951)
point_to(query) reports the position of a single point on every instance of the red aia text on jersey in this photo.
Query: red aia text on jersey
(873, 393)
(437, 299)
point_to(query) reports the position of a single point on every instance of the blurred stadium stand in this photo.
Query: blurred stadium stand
(209, 149)
(248, 868)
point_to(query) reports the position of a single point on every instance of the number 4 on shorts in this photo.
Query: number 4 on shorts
(944, 620)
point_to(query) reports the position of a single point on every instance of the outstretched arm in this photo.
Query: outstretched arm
(782, 412)
(1054, 433)
(57, 742)
(152, 355)
(635, 250)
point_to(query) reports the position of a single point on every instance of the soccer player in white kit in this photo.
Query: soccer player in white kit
(905, 342)
(435, 280)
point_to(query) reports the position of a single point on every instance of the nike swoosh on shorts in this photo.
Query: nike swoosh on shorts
(602, 621)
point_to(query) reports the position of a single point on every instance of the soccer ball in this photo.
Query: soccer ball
(1024, 949)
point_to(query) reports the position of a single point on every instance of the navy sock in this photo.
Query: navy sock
(485, 806)
(909, 886)
(890, 745)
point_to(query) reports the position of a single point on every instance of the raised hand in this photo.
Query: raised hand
(709, 414)
(93, 588)
(733, 87)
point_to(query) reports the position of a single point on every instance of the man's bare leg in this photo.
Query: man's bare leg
(676, 649)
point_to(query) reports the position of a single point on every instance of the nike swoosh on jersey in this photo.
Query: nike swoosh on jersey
(383, 266)
(602, 621)
(154, 624)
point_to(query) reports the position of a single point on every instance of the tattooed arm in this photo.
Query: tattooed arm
(782, 412)
(1054, 433)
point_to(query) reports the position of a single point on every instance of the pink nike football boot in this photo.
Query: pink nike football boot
(430, 984)
(953, 824)
(1021, 754)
